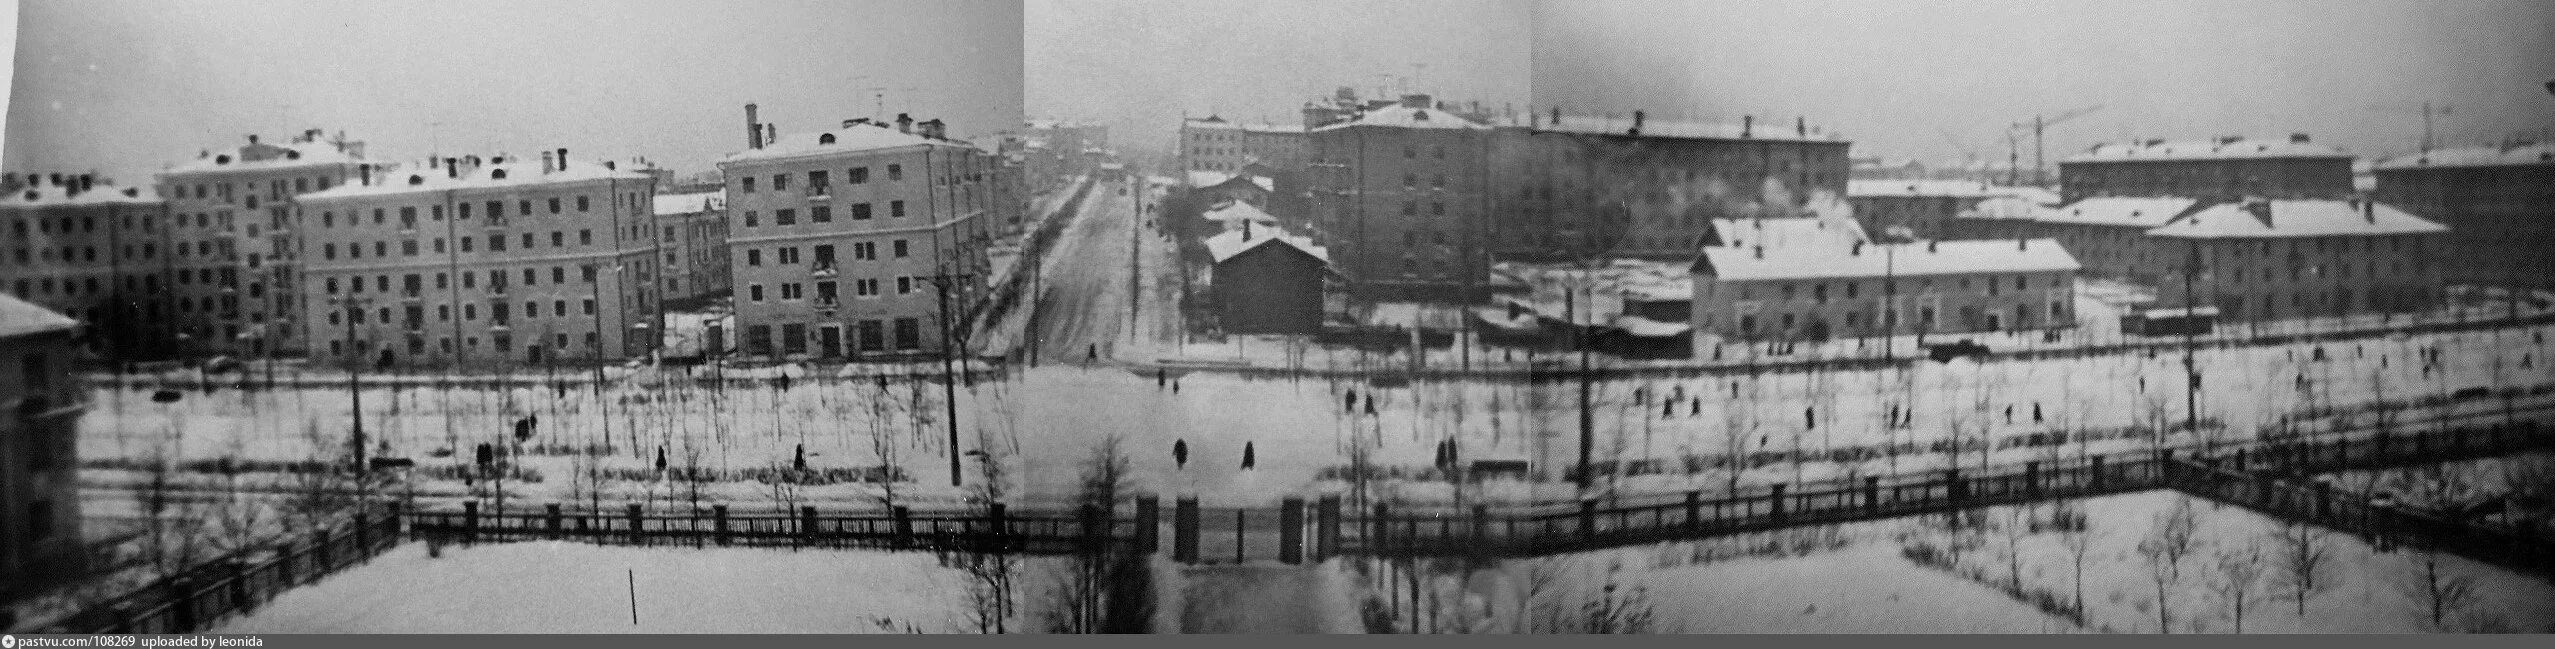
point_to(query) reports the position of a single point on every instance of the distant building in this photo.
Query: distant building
(1783, 233)
(1401, 196)
(465, 263)
(40, 407)
(1213, 144)
(239, 251)
(1638, 187)
(839, 239)
(2497, 201)
(1817, 292)
(692, 236)
(2224, 167)
(2260, 259)
(1927, 209)
(1267, 282)
(1054, 150)
(97, 252)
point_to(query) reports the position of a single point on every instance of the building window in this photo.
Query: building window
(896, 209)
(753, 257)
(581, 203)
(754, 292)
(873, 336)
(780, 182)
(789, 254)
(820, 213)
(784, 216)
(860, 211)
(909, 333)
(895, 172)
(554, 204)
(745, 185)
(856, 175)
(899, 248)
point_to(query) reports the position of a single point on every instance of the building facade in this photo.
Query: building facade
(692, 236)
(2498, 203)
(1930, 209)
(40, 406)
(1267, 282)
(467, 263)
(841, 241)
(1642, 188)
(237, 247)
(96, 252)
(1818, 292)
(1213, 144)
(1400, 195)
(2264, 259)
(2224, 167)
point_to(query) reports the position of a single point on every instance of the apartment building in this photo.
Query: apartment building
(2498, 203)
(1401, 195)
(1817, 292)
(2261, 259)
(98, 253)
(692, 236)
(1644, 188)
(461, 262)
(2296, 168)
(841, 241)
(39, 443)
(1213, 143)
(237, 247)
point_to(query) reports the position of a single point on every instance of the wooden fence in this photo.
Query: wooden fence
(235, 583)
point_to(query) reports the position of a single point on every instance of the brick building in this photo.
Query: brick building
(839, 240)
(1650, 188)
(1213, 144)
(1400, 195)
(237, 244)
(1817, 292)
(465, 263)
(2497, 201)
(2261, 259)
(2226, 166)
(96, 252)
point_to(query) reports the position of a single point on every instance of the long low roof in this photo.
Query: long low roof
(690, 203)
(864, 136)
(2295, 218)
(296, 154)
(2118, 211)
(2218, 149)
(1901, 259)
(514, 172)
(20, 317)
(37, 196)
(1234, 242)
(1764, 130)
(1408, 117)
(2541, 153)
(1788, 231)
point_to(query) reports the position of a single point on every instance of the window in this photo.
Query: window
(753, 257)
(904, 285)
(816, 183)
(899, 246)
(793, 291)
(528, 241)
(784, 216)
(865, 251)
(531, 277)
(408, 248)
(589, 273)
(820, 213)
(856, 175)
(745, 185)
(581, 203)
(496, 243)
(865, 287)
(909, 333)
(466, 244)
(754, 292)
(749, 218)
(789, 254)
(860, 211)
(559, 275)
(780, 182)
(895, 172)
(328, 251)
(896, 209)
(758, 338)
(524, 207)
(793, 336)
(554, 205)
(558, 239)
(585, 237)
(873, 336)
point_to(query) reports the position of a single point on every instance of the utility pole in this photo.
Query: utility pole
(2190, 368)
(948, 372)
(355, 371)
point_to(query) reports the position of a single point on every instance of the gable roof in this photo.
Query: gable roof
(1897, 259)
(1231, 244)
(21, 318)
(42, 195)
(1656, 128)
(2541, 153)
(1233, 213)
(1398, 116)
(1787, 231)
(866, 136)
(2119, 211)
(2295, 218)
(2230, 148)
(514, 172)
(294, 154)
(669, 204)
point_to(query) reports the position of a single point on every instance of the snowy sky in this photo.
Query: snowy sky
(128, 86)
(1139, 64)
(1897, 76)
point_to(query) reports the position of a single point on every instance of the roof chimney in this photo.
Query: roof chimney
(252, 138)
(1760, 252)
(771, 132)
(1246, 229)
(1636, 124)
(1747, 125)
(563, 158)
(1933, 246)
(753, 128)
(367, 171)
(2297, 138)
(1858, 249)
(2369, 210)
(1801, 124)
(452, 167)
(545, 162)
(2022, 244)
(1555, 122)
(904, 123)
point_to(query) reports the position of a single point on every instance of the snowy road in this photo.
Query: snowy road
(1082, 305)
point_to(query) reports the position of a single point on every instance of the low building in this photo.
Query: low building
(40, 407)
(2263, 259)
(2497, 201)
(2225, 166)
(692, 234)
(1266, 281)
(1783, 232)
(460, 263)
(1927, 209)
(1929, 287)
(98, 253)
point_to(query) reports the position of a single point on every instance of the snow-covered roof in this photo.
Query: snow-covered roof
(2010, 208)
(1213, 122)
(41, 195)
(2219, 149)
(1916, 188)
(1789, 231)
(1407, 117)
(514, 172)
(1898, 259)
(1213, 178)
(20, 317)
(1648, 328)
(690, 203)
(1233, 213)
(2295, 218)
(1233, 242)
(866, 136)
(294, 154)
(2119, 211)
(1762, 130)
(2541, 153)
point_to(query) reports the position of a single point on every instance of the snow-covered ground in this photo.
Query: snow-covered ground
(561, 587)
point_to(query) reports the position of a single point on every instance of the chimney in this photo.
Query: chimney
(252, 139)
(367, 171)
(753, 128)
(1747, 126)
(546, 162)
(2261, 210)
(2297, 138)
(1760, 252)
(2022, 244)
(452, 167)
(430, 162)
(1246, 229)
(1555, 122)
(1858, 249)
(1933, 246)
(904, 123)
(563, 158)
(1637, 117)
(851, 123)
(1801, 124)
(771, 132)
(2369, 210)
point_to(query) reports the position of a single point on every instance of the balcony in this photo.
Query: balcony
(819, 193)
(496, 291)
(827, 306)
(823, 269)
(412, 297)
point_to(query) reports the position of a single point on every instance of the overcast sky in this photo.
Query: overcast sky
(129, 86)
(1140, 64)
(1897, 76)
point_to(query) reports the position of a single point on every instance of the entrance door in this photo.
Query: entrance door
(532, 354)
(829, 341)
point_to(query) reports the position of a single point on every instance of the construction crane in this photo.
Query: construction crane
(2428, 110)
(2040, 151)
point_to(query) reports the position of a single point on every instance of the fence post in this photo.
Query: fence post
(239, 586)
(718, 522)
(1774, 503)
(1000, 520)
(550, 519)
(2031, 478)
(638, 525)
(1148, 523)
(2098, 473)
(1093, 524)
(1291, 530)
(1694, 509)
(363, 537)
(1326, 527)
(470, 521)
(1587, 519)
(1872, 493)
(1953, 490)
(904, 524)
(398, 520)
(284, 559)
(1381, 536)
(320, 555)
(1184, 529)
(2323, 501)
(181, 604)
(1481, 525)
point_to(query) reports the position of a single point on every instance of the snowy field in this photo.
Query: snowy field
(1866, 578)
(560, 587)
(1041, 425)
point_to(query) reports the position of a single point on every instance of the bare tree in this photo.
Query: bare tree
(2237, 571)
(1084, 596)
(2447, 596)
(2013, 531)
(2079, 541)
(2168, 539)
(2299, 560)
